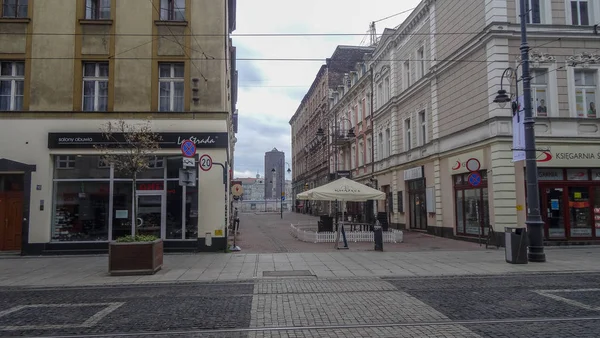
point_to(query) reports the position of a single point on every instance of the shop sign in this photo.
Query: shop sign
(413, 173)
(550, 175)
(576, 155)
(458, 164)
(595, 174)
(577, 175)
(167, 140)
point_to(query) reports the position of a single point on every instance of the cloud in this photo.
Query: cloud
(270, 91)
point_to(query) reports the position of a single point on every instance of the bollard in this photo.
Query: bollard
(378, 236)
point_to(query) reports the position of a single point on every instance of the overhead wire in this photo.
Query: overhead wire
(179, 43)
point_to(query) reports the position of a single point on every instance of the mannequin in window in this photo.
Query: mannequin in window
(592, 110)
(542, 110)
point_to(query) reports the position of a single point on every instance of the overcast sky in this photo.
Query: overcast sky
(271, 91)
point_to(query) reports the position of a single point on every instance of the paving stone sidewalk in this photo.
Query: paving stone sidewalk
(92, 270)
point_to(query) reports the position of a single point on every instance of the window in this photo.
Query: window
(585, 93)
(12, 82)
(361, 154)
(361, 112)
(539, 91)
(171, 87)
(387, 89)
(421, 60)
(388, 143)
(535, 11)
(65, 162)
(353, 157)
(580, 12)
(14, 8)
(423, 127)
(407, 135)
(369, 148)
(380, 150)
(379, 95)
(97, 9)
(172, 10)
(406, 74)
(95, 86)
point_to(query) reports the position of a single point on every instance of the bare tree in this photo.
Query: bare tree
(130, 149)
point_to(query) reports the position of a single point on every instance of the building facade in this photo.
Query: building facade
(274, 173)
(313, 158)
(434, 123)
(69, 69)
(443, 124)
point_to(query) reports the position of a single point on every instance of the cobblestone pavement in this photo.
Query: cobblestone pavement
(269, 233)
(536, 305)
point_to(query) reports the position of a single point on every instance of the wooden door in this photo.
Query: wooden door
(11, 212)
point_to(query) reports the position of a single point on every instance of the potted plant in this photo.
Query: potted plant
(130, 149)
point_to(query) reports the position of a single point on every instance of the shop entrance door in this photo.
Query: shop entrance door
(151, 213)
(554, 217)
(417, 207)
(11, 212)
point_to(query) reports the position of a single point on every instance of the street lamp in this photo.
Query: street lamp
(535, 225)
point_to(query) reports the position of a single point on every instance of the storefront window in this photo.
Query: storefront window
(472, 205)
(174, 210)
(80, 211)
(82, 192)
(597, 210)
(191, 212)
(156, 170)
(122, 198)
(579, 210)
(80, 167)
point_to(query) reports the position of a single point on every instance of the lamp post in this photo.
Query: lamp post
(320, 136)
(535, 225)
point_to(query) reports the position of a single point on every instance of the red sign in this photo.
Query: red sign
(151, 186)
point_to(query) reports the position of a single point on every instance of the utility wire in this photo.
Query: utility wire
(180, 45)
(394, 15)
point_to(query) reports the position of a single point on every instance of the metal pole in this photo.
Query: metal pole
(335, 166)
(535, 225)
(281, 197)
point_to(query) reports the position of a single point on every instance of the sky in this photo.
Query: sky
(270, 91)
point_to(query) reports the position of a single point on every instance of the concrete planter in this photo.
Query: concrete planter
(135, 258)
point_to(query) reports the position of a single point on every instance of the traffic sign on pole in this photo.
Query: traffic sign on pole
(188, 148)
(205, 162)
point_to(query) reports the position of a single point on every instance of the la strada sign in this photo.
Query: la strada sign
(172, 140)
(566, 156)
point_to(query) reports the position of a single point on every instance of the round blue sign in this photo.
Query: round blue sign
(188, 148)
(474, 179)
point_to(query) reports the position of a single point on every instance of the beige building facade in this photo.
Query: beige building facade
(67, 69)
(448, 61)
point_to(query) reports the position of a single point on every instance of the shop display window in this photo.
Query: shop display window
(81, 211)
(93, 202)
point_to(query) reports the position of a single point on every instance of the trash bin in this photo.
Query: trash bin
(515, 245)
(378, 236)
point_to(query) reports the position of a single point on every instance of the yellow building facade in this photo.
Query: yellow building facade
(68, 67)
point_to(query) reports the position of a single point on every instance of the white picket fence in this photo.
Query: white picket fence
(307, 233)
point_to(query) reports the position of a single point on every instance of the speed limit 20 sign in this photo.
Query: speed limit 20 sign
(205, 162)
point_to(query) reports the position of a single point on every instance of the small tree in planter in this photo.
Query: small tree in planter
(130, 149)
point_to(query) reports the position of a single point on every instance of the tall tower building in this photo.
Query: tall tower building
(274, 159)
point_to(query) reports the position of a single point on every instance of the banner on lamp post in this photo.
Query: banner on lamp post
(519, 131)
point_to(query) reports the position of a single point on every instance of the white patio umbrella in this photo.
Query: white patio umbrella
(344, 190)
